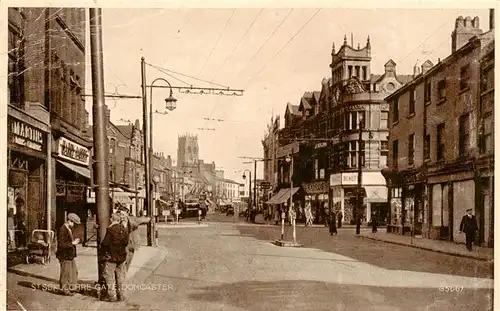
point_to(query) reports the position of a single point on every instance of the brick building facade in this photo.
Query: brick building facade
(435, 123)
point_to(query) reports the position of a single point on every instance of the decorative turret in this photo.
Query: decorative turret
(368, 45)
(345, 39)
(333, 48)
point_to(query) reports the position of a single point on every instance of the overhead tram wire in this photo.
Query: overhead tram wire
(269, 38)
(261, 47)
(283, 47)
(216, 42)
(187, 76)
(237, 45)
(427, 39)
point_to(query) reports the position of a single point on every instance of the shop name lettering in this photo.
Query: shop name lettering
(349, 178)
(74, 152)
(27, 136)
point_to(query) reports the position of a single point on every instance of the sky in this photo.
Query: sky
(275, 55)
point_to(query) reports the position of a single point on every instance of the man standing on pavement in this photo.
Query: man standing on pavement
(66, 253)
(469, 227)
(113, 250)
(131, 223)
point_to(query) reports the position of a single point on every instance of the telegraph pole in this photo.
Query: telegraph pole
(147, 163)
(99, 129)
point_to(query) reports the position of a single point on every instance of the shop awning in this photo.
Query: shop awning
(275, 198)
(283, 195)
(120, 196)
(85, 172)
(376, 193)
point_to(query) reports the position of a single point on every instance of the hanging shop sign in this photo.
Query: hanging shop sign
(23, 134)
(72, 151)
(320, 145)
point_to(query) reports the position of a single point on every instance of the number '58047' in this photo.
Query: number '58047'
(451, 289)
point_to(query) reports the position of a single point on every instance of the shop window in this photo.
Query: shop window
(440, 142)
(463, 135)
(464, 77)
(411, 149)
(364, 73)
(395, 110)
(441, 88)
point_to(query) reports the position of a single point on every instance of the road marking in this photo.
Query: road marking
(21, 306)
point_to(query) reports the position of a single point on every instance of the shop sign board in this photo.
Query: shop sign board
(23, 134)
(70, 150)
(349, 178)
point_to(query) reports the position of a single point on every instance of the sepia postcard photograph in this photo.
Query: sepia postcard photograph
(237, 155)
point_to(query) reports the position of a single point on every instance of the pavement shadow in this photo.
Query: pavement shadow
(316, 296)
(378, 253)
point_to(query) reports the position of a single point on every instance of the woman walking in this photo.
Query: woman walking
(333, 223)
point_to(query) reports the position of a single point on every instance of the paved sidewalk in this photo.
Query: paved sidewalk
(86, 262)
(451, 248)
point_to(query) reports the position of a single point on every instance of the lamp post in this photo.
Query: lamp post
(360, 173)
(289, 159)
(249, 190)
(148, 146)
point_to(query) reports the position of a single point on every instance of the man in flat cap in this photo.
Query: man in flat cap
(469, 227)
(66, 253)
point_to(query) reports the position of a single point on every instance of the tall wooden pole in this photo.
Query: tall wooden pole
(147, 163)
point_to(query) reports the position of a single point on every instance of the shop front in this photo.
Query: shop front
(27, 176)
(72, 179)
(408, 197)
(373, 193)
(316, 194)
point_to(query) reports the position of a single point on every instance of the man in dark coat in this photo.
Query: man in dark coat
(114, 252)
(131, 223)
(469, 227)
(374, 222)
(66, 253)
(333, 223)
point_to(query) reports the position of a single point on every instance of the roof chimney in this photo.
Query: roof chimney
(465, 29)
(426, 66)
(416, 70)
(492, 19)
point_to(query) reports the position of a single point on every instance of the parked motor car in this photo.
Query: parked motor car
(229, 211)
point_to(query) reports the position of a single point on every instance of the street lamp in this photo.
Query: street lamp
(289, 159)
(249, 190)
(170, 104)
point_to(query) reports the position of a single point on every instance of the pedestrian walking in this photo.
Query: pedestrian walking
(333, 224)
(66, 253)
(469, 227)
(339, 219)
(308, 212)
(277, 216)
(131, 223)
(374, 222)
(114, 252)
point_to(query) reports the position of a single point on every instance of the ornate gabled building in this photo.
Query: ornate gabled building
(358, 107)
